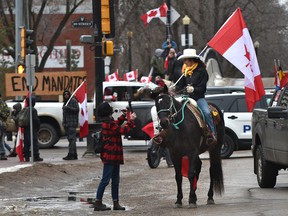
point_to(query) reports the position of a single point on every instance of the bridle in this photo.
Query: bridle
(173, 112)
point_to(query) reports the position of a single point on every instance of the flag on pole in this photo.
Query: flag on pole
(20, 136)
(129, 76)
(113, 77)
(149, 129)
(19, 143)
(280, 78)
(81, 95)
(145, 79)
(234, 43)
(154, 13)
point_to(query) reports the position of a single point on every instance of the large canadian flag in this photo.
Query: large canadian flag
(81, 95)
(113, 77)
(154, 13)
(234, 43)
(129, 76)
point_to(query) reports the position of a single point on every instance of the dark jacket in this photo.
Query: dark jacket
(198, 80)
(15, 114)
(112, 131)
(71, 113)
(35, 118)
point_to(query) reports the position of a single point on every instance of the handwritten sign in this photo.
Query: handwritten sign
(46, 83)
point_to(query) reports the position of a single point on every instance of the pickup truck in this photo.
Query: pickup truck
(50, 113)
(269, 139)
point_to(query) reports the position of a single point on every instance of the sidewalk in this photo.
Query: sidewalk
(53, 156)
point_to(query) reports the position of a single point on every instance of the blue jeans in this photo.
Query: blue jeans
(7, 146)
(203, 105)
(110, 171)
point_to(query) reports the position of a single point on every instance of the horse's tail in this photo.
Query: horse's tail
(216, 172)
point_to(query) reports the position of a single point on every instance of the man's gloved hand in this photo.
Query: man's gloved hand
(190, 89)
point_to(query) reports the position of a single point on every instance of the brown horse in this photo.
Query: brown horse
(184, 137)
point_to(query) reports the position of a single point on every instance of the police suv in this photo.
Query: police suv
(238, 134)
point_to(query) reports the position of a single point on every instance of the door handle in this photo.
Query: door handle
(232, 117)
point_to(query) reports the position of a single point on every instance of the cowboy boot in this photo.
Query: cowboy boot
(212, 139)
(117, 206)
(99, 206)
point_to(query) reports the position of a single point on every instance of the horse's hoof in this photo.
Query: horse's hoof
(192, 205)
(210, 202)
(178, 205)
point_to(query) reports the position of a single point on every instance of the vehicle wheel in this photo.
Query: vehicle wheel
(47, 136)
(154, 156)
(227, 147)
(266, 171)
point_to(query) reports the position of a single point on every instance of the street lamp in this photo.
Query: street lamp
(129, 35)
(256, 46)
(186, 21)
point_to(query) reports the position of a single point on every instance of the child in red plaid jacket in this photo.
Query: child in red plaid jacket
(112, 154)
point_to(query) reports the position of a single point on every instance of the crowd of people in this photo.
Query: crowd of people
(167, 66)
(70, 123)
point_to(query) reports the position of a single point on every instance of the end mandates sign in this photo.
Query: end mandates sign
(46, 83)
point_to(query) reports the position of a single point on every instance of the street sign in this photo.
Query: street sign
(190, 39)
(174, 15)
(30, 64)
(81, 22)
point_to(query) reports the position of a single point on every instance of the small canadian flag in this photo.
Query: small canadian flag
(132, 75)
(145, 79)
(112, 77)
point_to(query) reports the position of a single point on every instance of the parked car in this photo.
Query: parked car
(237, 119)
(224, 89)
(269, 139)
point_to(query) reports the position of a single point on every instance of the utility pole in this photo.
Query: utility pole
(19, 21)
(168, 21)
(99, 62)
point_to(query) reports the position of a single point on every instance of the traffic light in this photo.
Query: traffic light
(26, 42)
(107, 18)
(107, 48)
(20, 69)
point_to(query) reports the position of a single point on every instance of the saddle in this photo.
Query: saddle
(192, 105)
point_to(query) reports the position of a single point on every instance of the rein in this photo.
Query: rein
(173, 115)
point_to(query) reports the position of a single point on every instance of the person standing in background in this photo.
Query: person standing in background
(169, 62)
(4, 113)
(70, 123)
(27, 134)
(157, 63)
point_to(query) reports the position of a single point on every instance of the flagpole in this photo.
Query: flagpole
(200, 54)
(74, 92)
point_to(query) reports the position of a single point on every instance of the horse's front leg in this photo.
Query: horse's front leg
(178, 178)
(193, 175)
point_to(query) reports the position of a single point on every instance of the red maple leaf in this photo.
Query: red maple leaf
(152, 13)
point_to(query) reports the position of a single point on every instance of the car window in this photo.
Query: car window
(277, 95)
(121, 93)
(239, 105)
(284, 99)
(217, 102)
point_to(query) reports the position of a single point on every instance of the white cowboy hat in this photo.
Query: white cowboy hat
(189, 53)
